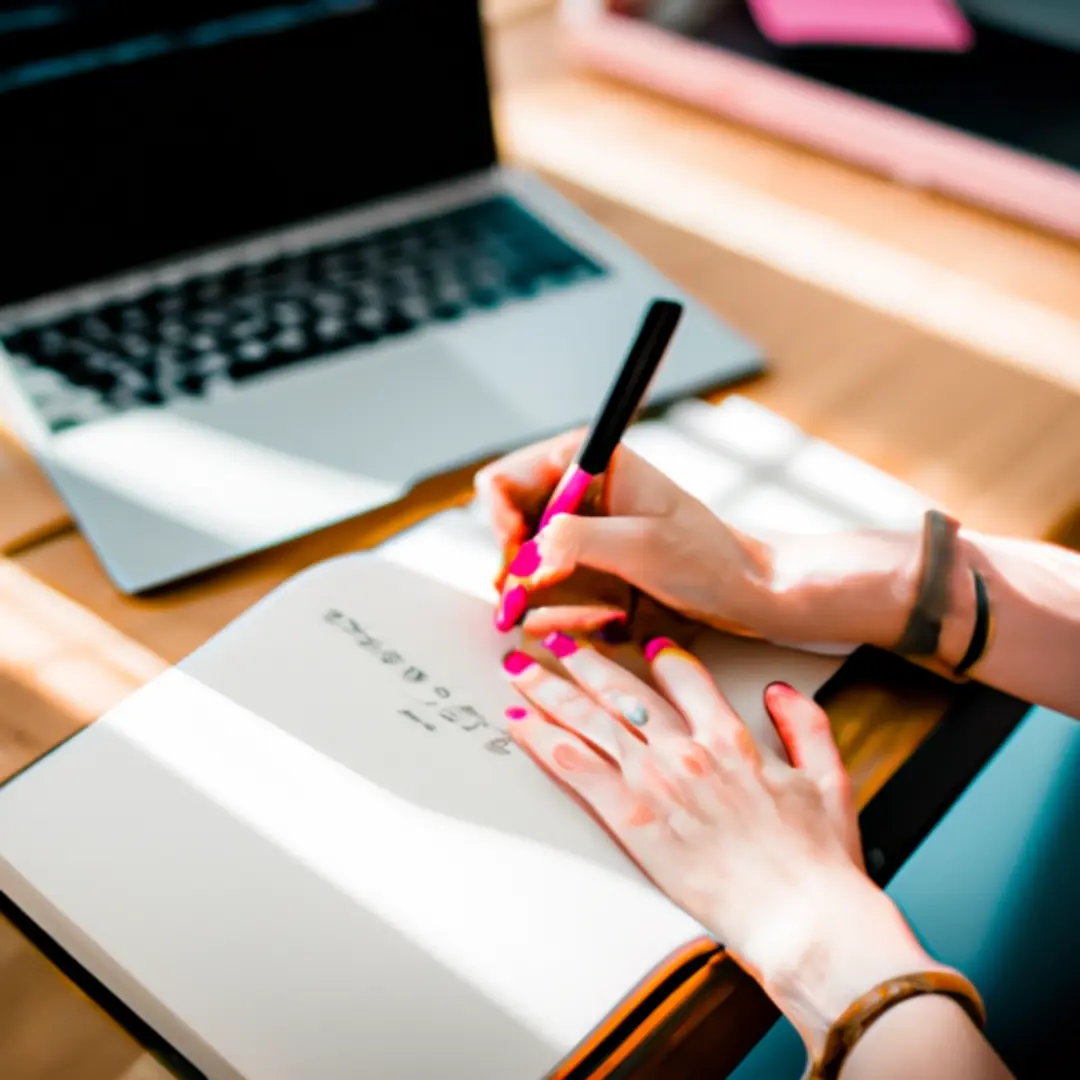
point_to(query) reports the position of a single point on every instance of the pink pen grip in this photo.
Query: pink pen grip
(569, 496)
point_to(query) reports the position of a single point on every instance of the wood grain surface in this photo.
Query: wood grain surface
(883, 372)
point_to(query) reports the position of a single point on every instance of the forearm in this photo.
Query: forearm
(857, 588)
(930, 1036)
(835, 943)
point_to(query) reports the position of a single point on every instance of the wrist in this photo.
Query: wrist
(831, 945)
(853, 588)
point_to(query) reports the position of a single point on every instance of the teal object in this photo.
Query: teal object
(995, 891)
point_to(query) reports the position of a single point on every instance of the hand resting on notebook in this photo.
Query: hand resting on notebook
(765, 854)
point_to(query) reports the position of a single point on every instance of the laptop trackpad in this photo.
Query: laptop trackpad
(394, 416)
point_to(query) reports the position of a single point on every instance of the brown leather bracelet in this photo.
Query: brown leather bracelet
(923, 630)
(861, 1014)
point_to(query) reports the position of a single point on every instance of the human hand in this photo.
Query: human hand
(637, 528)
(764, 853)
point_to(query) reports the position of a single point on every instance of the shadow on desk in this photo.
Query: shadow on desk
(994, 890)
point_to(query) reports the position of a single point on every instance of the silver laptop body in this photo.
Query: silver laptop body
(290, 279)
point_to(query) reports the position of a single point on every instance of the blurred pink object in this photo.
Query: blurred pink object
(904, 24)
(912, 150)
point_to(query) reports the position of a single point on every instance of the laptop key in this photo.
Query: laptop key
(330, 329)
(251, 351)
(290, 340)
(202, 342)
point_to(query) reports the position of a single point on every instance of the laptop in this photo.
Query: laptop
(263, 271)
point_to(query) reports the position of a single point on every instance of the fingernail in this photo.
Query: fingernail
(516, 712)
(560, 645)
(657, 646)
(511, 609)
(516, 661)
(526, 561)
(779, 688)
(614, 631)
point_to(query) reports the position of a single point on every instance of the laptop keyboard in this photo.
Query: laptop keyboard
(205, 335)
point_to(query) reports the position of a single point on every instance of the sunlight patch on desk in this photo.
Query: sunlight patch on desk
(766, 508)
(739, 426)
(867, 494)
(223, 485)
(85, 684)
(705, 475)
(64, 652)
(23, 641)
(583, 146)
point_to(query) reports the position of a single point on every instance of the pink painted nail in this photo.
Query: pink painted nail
(657, 645)
(511, 609)
(526, 561)
(516, 712)
(560, 645)
(516, 661)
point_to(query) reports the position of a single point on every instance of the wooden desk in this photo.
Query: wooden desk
(882, 372)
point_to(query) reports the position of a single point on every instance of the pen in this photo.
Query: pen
(623, 402)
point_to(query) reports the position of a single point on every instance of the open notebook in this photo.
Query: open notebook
(310, 850)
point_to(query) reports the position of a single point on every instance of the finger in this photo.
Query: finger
(603, 619)
(518, 484)
(805, 731)
(627, 815)
(692, 690)
(628, 548)
(506, 515)
(682, 773)
(527, 572)
(577, 766)
(569, 707)
(615, 689)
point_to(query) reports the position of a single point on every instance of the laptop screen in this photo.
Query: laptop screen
(136, 130)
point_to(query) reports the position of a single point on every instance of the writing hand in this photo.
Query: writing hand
(638, 528)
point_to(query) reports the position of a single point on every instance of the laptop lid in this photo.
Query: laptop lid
(133, 131)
